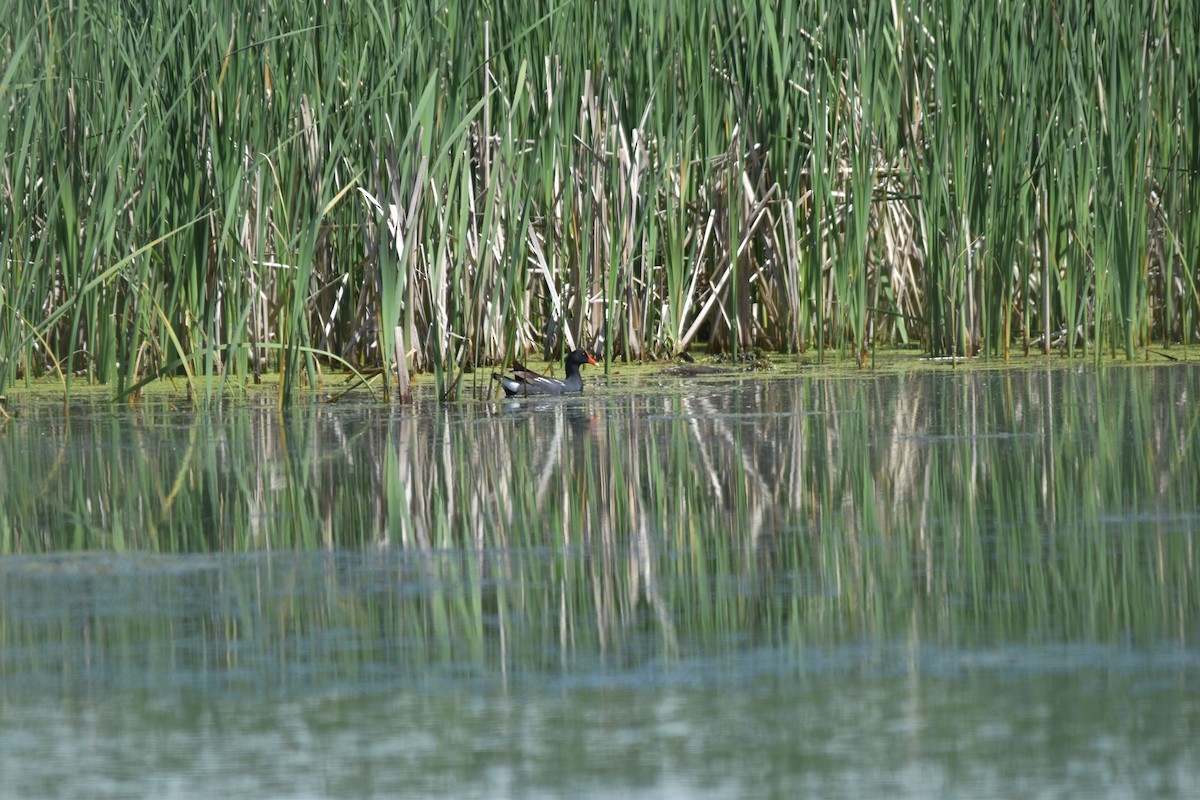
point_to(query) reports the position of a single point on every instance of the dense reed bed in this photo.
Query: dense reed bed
(210, 190)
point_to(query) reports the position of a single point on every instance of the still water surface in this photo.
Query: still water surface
(940, 584)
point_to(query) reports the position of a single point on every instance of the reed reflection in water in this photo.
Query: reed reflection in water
(919, 545)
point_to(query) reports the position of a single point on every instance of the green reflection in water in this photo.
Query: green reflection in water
(1040, 504)
(912, 538)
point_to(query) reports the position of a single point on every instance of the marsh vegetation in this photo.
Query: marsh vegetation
(210, 190)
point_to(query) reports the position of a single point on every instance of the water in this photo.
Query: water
(975, 584)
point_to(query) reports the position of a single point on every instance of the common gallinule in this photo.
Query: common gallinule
(526, 381)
